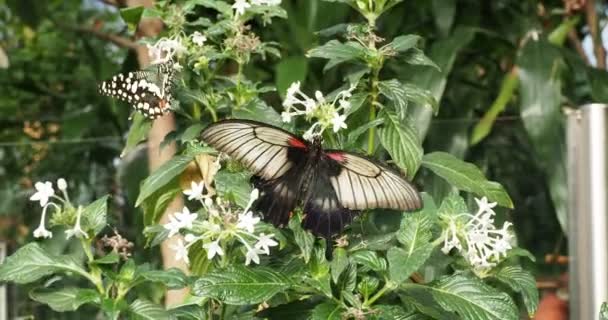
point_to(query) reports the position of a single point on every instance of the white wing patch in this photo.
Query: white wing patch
(263, 150)
(363, 184)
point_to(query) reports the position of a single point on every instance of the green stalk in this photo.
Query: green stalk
(371, 141)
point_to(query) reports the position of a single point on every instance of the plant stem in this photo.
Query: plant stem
(371, 141)
(387, 286)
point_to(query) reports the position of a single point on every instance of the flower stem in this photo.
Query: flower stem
(387, 286)
(371, 141)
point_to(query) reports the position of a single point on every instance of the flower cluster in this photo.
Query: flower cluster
(165, 49)
(476, 237)
(222, 230)
(44, 193)
(240, 6)
(327, 113)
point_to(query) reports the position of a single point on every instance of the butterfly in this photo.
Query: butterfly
(148, 91)
(331, 186)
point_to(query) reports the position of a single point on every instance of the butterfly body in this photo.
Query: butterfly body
(148, 91)
(331, 186)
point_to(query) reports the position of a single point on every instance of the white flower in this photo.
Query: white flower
(240, 6)
(62, 184)
(41, 231)
(338, 121)
(77, 231)
(265, 242)
(252, 255)
(211, 227)
(286, 117)
(195, 191)
(293, 89)
(190, 238)
(247, 221)
(485, 245)
(213, 248)
(198, 38)
(164, 50)
(180, 220)
(43, 192)
(181, 251)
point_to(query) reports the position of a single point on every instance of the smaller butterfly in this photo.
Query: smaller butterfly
(148, 91)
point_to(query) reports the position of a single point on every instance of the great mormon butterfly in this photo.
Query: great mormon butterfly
(330, 185)
(148, 91)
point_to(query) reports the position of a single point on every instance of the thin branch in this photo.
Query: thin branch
(120, 41)
(593, 23)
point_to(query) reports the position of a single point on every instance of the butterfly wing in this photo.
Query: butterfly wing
(324, 214)
(263, 149)
(362, 183)
(148, 91)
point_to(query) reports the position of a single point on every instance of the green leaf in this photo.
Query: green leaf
(137, 132)
(239, 285)
(111, 258)
(337, 52)
(404, 43)
(338, 263)
(401, 142)
(304, 239)
(94, 216)
(402, 263)
(172, 278)
(465, 176)
(400, 93)
(131, 16)
(64, 299)
(368, 285)
(468, 297)
(414, 234)
(220, 6)
(143, 309)
(520, 281)
(258, 110)
(373, 242)
(234, 186)
(453, 204)
(420, 97)
(369, 259)
(289, 70)
(31, 262)
(163, 175)
(192, 132)
(540, 65)
(444, 12)
(416, 56)
(327, 311)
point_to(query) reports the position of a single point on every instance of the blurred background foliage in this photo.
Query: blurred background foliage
(509, 69)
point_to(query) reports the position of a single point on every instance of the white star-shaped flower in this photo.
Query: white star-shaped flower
(62, 184)
(286, 116)
(252, 255)
(265, 242)
(76, 231)
(338, 122)
(43, 192)
(247, 221)
(195, 191)
(198, 38)
(186, 218)
(240, 6)
(181, 251)
(484, 205)
(213, 248)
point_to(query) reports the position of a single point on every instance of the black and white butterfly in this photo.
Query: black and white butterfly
(330, 185)
(148, 91)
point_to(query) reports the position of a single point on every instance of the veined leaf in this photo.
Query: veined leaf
(465, 176)
(163, 175)
(401, 142)
(369, 259)
(240, 285)
(304, 239)
(31, 262)
(470, 298)
(137, 132)
(338, 263)
(404, 43)
(233, 186)
(416, 56)
(327, 311)
(64, 299)
(520, 281)
(337, 52)
(94, 215)
(146, 310)
(172, 278)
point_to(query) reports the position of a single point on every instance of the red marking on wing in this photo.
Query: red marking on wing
(338, 156)
(296, 143)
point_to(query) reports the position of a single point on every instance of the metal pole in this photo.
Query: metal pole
(588, 209)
